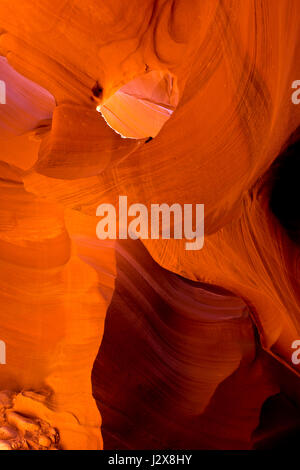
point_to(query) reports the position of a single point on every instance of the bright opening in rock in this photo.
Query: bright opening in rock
(140, 108)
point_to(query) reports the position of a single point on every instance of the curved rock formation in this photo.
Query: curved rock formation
(232, 67)
(53, 309)
(199, 379)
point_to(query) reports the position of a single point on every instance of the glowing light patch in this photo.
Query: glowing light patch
(141, 107)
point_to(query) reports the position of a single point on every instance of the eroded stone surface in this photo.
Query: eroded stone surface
(23, 432)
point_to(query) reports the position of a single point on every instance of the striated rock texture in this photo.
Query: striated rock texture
(197, 347)
(199, 379)
(53, 308)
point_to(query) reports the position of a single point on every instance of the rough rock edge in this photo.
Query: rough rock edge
(20, 432)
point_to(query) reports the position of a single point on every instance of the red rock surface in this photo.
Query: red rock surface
(197, 345)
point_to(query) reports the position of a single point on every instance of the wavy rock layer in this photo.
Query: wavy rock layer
(198, 380)
(234, 63)
(53, 308)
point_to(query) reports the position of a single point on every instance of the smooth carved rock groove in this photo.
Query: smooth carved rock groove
(60, 160)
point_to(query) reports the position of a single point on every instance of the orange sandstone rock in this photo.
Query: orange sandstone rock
(234, 65)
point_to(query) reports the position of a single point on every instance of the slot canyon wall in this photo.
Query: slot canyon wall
(141, 344)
